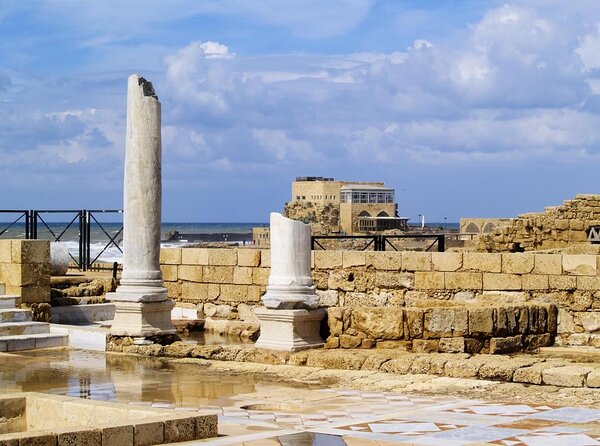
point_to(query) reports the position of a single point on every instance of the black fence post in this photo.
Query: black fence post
(441, 243)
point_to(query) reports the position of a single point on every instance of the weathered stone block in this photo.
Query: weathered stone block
(379, 323)
(5, 251)
(35, 294)
(509, 344)
(328, 259)
(121, 435)
(222, 257)
(384, 260)
(178, 430)
(579, 265)
(149, 432)
(353, 258)
(425, 345)
(234, 293)
(532, 374)
(414, 322)
(517, 263)
(400, 365)
(506, 321)
(192, 291)
(593, 379)
(30, 251)
(464, 368)
(388, 279)
(347, 341)
(194, 256)
(445, 322)
(249, 257)
(335, 359)
(255, 293)
(547, 264)
(562, 283)
(335, 321)
(590, 321)
(463, 281)
(484, 262)
(265, 258)
(568, 376)
(481, 321)
(189, 273)
(416, 261)
(260, 276)
(535, 282)
(242, 275)
(446, 261)
(329, 298)
(429, 280)
(173, 290)
(169, 272)
(506, 282)
(588, 283)
(535, 341)
(218, 274)
(452, 345)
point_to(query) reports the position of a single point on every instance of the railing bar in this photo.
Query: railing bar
(11, 225)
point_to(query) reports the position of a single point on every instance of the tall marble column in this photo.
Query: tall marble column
(141, 304)
(291, 320)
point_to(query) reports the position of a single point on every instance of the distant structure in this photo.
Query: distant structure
(344, 206)
(479, 226)
(260, 236)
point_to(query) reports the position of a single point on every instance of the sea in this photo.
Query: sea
(102, 249)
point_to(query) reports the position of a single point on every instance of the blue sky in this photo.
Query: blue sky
(467, 108)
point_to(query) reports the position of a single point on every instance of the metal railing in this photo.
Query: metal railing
(37, 226)
(379, 242)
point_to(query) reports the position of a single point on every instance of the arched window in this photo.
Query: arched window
(472, 228)
(489, 227)
(364, 214)
(383, 214)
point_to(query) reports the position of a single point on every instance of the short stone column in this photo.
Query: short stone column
(291, 320)
(141, 305)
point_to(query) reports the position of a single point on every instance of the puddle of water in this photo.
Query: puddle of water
(202, 338)
(101, 376)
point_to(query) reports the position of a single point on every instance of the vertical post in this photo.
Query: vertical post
(81, 240)
(441, 243)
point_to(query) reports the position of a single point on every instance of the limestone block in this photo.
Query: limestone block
(189, 273)
(121, 435)
(335, 321)
(568, 376)
(35, 294)
(562, 282)
(219, 311)
(5, 251)
(234, 293)
(353, 258)
(509, 344)
(180, 429)
(590, 321)
(429, 280)
(533, 374)
(84, 437)
(394, 280)
(452, 345)
(328, 259)
(255, 293)
(578, 339)
(384, 260)
(148, 433)
(535, 341)
(218, 274)
(503, 369)
(249, 257)
(416, 261)
(30, 251)
(260, 276)
(379, 323)
(173, 290)
(593, 379)
(194, 256)
(579, 265)
(588, 283)
(506, 282)
(517, 263)
(222, 257)
(445, 322)
(537, 282)
(170, 256)
(347, 341)
(246, 313)
(243, 275)
(206, 426)
(485, 262)
(332, 342)
(400, 365)
(214, 291)
(446, 261)
(169, 272)
(425, 345)
(11, 274)
(576, 225)
(192, 291)
(414, 322)
(329, 298)
(547, 264)
(481, 321)
(464, 368)
(351, 279)
(265, 258)
(463, 281)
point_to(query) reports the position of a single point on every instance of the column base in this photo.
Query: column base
(141, 319)
(289, 330)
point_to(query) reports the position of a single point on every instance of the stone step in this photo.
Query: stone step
(23, 328)
(15, 315)
(32, 341)
(8, 302)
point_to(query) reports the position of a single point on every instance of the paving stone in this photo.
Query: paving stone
(568, 376)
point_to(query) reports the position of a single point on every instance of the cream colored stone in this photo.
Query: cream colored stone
(189, 273)
(260, 276)
(289, 330)
(242, 275)
(249, 257)
(169, 272)
(30, 251)
(384, 260)
(579, 265)
(191, 291)
(328, 259)
(389, 279)
(548, 264)
(517, 263)
(379, 323)
(218, 274)
(562, 282)
(353, 258)
(180, 429)
(588, 283)
(535, 282)
(504, 282)
(194, 256)
(446, 261)
(429, 280)
(142, 319)
(568, 376)
(416, 261)
(222, 257)
(234, 293)
(5, 251)
(463, 281)
(265, 258)
(170, 256)
(485, 262)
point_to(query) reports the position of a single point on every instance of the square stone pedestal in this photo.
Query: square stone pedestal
(289, 330)
(139, 319)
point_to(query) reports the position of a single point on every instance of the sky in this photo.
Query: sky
(466, 107)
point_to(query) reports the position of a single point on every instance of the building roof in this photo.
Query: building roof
(366, 187)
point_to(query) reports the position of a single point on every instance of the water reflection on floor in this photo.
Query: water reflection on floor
(132, 379)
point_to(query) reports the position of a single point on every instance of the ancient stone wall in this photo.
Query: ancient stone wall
(228, 283)
(321, 217)
(556, 227)
(25, 269)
